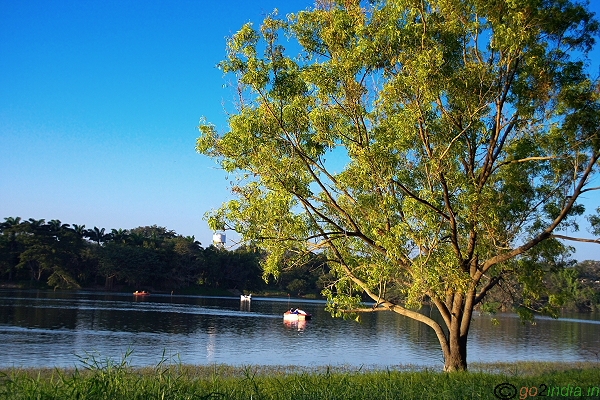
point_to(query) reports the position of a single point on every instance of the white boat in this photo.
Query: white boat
(245, 297)
(296, 315)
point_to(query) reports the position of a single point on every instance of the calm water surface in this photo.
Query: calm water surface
(48, 329)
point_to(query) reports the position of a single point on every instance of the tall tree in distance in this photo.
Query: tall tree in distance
(79, 230)
(97, 235)
(428, 149)
(119, 235)
(56, 225)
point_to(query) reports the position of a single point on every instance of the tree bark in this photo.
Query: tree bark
(455, 359)
(455, 352)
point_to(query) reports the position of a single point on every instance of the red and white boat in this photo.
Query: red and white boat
(296, 315)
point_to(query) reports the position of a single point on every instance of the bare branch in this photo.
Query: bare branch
(366, 310)
(597, 241)
(522, 160)
(590, 189)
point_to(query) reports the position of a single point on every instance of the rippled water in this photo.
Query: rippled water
(59, 328)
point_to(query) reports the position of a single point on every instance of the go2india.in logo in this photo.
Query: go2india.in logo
(507, 391)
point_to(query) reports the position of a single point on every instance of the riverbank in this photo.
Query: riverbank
(108, 380)
(193, 290)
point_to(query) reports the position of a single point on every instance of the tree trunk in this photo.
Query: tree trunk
(458, 322)
(456, 313)
(455, 358)
(108, 282)
(36, 270)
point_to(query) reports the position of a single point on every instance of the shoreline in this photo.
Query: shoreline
(517, 368)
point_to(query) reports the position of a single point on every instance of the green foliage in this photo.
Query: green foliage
(425, 149)
(149, 257)
(587, 286)
(41, 249)
(595, 222)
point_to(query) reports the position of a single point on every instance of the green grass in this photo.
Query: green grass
(117, 380)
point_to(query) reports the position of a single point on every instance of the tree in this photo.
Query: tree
(589, 278)
(135, 265)
(10, 222)
(68, 268)
(118, 235)
(188, 261)
(79, 230)
(10, 247)
(56, 226)
(428, 149)
(97, 235)
(50, 251)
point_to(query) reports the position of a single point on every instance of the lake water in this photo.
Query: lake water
(48, 329)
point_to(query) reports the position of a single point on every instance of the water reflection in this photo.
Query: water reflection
(245, 305)
(299, 325)
(51, 328)
(210, 343)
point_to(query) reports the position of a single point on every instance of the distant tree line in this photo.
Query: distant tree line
(576, 287)
(151, 257)
(66, 256)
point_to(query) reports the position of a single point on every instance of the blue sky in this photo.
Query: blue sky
(99, 104)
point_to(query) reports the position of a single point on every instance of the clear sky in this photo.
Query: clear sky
(99, 104)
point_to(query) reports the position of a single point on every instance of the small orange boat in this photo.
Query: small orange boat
(296, 315)
(142, 293)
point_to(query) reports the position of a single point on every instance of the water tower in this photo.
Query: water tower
(219, 240)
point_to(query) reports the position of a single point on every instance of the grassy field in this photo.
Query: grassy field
(110, 380)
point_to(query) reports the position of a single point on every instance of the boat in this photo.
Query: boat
(142, 293)
(245, 297)
(296, 315)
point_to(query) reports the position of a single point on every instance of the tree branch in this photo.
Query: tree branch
(401, 310)
(597, 241)
(547, 233)
(527, 159)
(493, 282)
(420, 200)
(590, 189)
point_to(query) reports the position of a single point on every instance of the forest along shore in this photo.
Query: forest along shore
(54, 255)
(36, 253)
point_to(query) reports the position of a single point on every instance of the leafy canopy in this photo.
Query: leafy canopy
(425, 148)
